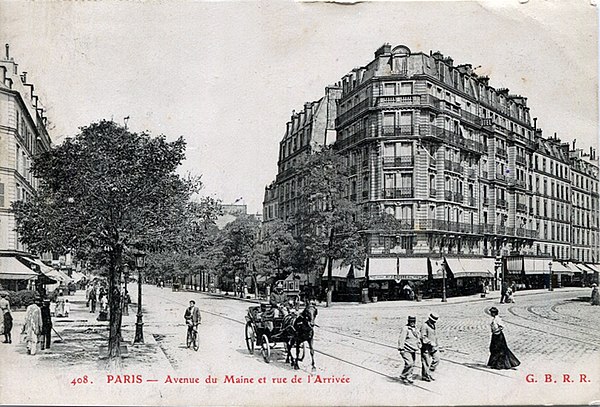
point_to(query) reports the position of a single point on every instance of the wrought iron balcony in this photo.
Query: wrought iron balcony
(432, 192)
(501, 203)
(521, 207)
(448, 195)
(458, 197)
(397, 131)
(399, 100)
(353, 112)
(395, 193)
(398, 161)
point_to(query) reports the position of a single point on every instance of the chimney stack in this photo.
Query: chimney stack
(24, 77)
(534, 123)
(7, 51)
(574, 140)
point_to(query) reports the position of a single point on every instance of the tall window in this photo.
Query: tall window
(1, 195)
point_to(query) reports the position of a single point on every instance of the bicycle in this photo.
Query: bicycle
(192, 337)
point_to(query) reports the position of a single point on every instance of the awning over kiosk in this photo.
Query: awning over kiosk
(397, 268)
(536, 266)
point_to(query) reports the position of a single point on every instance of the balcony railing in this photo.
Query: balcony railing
(517, 182)
(352, 139)
(521, 207)
(458, 197)
(401, 100)
(470, 117)
(500, 177)
(432, 192)
(501, 203)
(470, 201)
(365, 194)
(399, 161)
(488, 229)
(448, 195)
(501, 152)
(528, 233)
(353, 111)
(444, 225)
(396, 131)
(450, 137)
(486, 201)
(471, 173)
(500, 229)
(395, 193)
(519, 159)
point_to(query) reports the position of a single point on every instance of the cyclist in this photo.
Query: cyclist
(192, 317)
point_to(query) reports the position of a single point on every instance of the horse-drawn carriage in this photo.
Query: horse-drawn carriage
(263, 330)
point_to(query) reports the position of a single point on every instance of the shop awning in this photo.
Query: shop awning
(514, 265)
(559, 268)
(467, 267)
(595, 268)
(337, 270)
(397, 268)
(13, 269)
(573, 267)
(77, 276)
(537, 266)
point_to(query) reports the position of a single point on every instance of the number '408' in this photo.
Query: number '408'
(80, 380)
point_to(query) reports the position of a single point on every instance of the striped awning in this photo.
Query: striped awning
(559, 268)
(536, 266)
(595, 268)
(337, 270)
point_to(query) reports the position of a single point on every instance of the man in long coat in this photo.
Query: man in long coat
(429, 348)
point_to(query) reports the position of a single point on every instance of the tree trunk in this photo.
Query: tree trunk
(114, 287)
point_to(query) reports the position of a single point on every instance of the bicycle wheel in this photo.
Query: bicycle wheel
(196, 344)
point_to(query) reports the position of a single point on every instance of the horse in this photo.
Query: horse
(302, 330)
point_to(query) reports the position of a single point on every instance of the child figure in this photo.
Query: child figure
(67, 308)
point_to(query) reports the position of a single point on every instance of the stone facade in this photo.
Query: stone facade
(23, 133)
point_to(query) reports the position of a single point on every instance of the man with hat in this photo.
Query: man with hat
(277, 299)
(429, 348)
(408, 345)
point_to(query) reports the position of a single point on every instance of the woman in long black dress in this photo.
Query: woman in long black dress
(500, 356)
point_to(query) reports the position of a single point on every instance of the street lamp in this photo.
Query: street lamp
(444, 281)
(551, 275)
(140, 262)
(125, 304)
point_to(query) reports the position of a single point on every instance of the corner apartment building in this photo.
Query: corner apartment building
(23, 133)
(306, 132)
(462, 167)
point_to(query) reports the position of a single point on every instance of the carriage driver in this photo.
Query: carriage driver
(278, 300)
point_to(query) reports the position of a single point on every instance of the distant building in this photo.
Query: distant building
(306, 132)
(23, 134)
(233, 211)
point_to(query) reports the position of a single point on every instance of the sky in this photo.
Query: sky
(227, 75)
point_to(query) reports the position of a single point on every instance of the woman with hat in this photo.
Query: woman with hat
(409, 344)
(429, 348)
(595, 297)
(500, 356)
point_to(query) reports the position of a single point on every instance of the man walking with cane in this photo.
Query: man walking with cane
(408, 345)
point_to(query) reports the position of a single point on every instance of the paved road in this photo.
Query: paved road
(550, 332)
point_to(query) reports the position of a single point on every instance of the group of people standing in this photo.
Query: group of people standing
(96, 294)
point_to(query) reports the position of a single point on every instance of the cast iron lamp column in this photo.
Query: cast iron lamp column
(140, 262)
(551, 275)
(444, 281)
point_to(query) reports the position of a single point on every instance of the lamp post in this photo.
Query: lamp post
(551, 275)
(140, 262)
(444, 281)
(125, 304)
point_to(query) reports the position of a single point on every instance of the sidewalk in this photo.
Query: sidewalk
(78, 339)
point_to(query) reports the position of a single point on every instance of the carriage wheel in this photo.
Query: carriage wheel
(301, 352)
(250, 337)
(265, 349)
